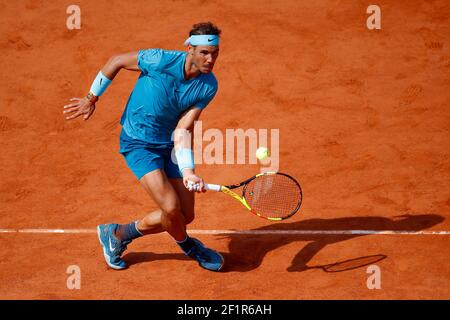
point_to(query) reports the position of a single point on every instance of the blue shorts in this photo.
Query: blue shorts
(142, 157)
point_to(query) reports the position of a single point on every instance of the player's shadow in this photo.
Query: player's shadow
(246, 252)
(132, 258)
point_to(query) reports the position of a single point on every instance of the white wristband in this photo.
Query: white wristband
(185, 158)
(100, 84)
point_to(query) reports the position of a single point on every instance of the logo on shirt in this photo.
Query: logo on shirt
(210, 39)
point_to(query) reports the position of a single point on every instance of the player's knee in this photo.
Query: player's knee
(171, 210)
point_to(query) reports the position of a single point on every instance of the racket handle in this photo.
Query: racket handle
(212, 187)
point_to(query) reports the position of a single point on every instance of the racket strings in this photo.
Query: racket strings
(273, 196)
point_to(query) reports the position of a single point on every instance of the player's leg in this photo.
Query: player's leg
(169, 217)
(113, 237)
(147, 164)
(186, 197)
(206, 257)
(176, 210)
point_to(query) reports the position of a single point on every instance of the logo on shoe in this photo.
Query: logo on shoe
(110, 245)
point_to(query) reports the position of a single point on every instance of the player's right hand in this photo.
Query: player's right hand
(192, 182)
(80, 107)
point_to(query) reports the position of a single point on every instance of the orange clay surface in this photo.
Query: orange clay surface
(364, 126)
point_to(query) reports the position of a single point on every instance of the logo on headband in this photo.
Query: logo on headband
(202, 40)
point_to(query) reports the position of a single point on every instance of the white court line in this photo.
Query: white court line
(253, 232)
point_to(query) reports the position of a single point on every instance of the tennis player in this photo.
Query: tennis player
(156, 138)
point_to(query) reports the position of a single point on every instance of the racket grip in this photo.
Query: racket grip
(212, 187)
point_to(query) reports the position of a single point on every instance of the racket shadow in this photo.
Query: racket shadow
(247, 252)
(351, 264)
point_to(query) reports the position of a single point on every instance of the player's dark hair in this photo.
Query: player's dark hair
(205, 28)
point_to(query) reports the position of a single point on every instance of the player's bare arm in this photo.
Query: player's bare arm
(183, 139)
(86, 106)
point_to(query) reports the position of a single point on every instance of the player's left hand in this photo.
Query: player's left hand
(81, 107)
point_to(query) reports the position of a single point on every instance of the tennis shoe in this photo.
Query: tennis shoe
(206, 258)
(113, 248)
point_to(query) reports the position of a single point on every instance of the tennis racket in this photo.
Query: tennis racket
(270, 195)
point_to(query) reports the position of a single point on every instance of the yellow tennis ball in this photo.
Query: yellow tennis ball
(262, 153)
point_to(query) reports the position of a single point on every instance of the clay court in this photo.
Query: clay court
(364, 126)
